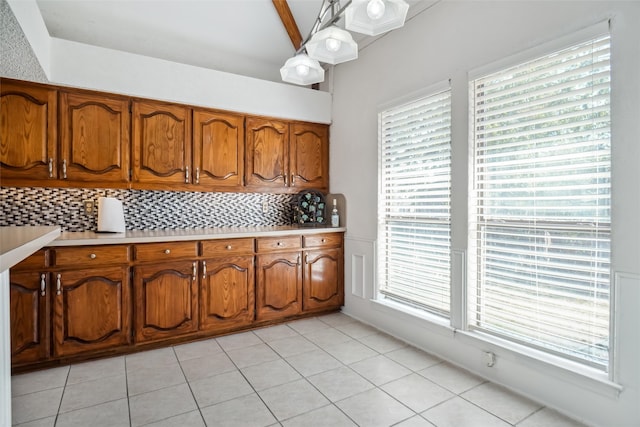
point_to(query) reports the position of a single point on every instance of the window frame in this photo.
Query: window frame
(415, 308)
(474, 207)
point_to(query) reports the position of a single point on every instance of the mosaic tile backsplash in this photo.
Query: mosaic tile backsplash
(143, 209)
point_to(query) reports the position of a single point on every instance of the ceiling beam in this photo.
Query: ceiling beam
(282, 7)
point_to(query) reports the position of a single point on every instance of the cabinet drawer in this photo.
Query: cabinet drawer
(165, 251)
(35, 262)
(269, 244)
(227, 247)
(91, 255)
(329, 240)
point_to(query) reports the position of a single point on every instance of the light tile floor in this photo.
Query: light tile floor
(323, 371)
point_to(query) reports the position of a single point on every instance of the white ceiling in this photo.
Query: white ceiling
(243, 37)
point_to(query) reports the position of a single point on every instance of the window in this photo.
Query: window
(414, 203)
(540, 236)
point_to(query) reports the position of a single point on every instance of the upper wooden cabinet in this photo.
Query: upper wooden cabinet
(267, 153)
(161, 143)
(283, 155)
(94, 138)
(27, 131)
(218, 149)
(57, 136)
(309, 156)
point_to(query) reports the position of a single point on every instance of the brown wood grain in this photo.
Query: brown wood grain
(94, 137)
(28, 139)
(92, 310)
(218, 149)
(166, 300)
(289, 22)
(227, 293)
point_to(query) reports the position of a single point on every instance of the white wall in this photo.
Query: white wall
(80, 65)
(446, 42)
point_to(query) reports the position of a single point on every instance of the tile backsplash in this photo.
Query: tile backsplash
(143, 209)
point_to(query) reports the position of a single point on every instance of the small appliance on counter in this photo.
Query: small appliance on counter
(310, 209)
(110, 215)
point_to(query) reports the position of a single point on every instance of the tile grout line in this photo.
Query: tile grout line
(173, 348)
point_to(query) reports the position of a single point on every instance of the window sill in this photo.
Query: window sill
(434, 323)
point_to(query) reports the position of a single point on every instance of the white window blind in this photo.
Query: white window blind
(414, 203)
(541, 273)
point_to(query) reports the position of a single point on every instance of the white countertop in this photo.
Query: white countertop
(17, 243)
(79, 238)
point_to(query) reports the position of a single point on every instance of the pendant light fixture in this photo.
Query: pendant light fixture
(373, 17)
(333, 45)
(302, 70)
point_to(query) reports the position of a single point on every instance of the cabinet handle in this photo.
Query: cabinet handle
(286, 184)
(64, 169)
(58, 284)
(50, 167)
(195, 271)
(197, 175)
(228, 247)
(186, 175)
(92, 256)
(293, 181)
(306, 258)
(298, 260)
(43, 284)
(167, 251)
(204, 269)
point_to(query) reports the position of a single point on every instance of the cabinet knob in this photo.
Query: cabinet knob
(279, 243)
(92, 256)
(228, 247)
(323, 240)
(167, 251)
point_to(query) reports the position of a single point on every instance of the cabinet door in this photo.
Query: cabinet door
(166, 300)
(267, 153)
(27, 131)
(91, 310)
(279, 285)
(218, 149)
(227, 297)
(309, 156)
(323, 280)
(161, 143)
(29, 317)
(94, 138)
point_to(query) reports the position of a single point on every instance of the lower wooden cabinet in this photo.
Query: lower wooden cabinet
(70, 303)
(278, 285)
(227, 297)
(322, 286)
(30, 316)
(166, 300)
(91, 310)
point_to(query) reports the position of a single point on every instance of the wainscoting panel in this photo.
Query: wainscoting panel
(360, 267)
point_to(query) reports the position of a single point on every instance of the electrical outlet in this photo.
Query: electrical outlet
(265, 207)
(88, 206)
